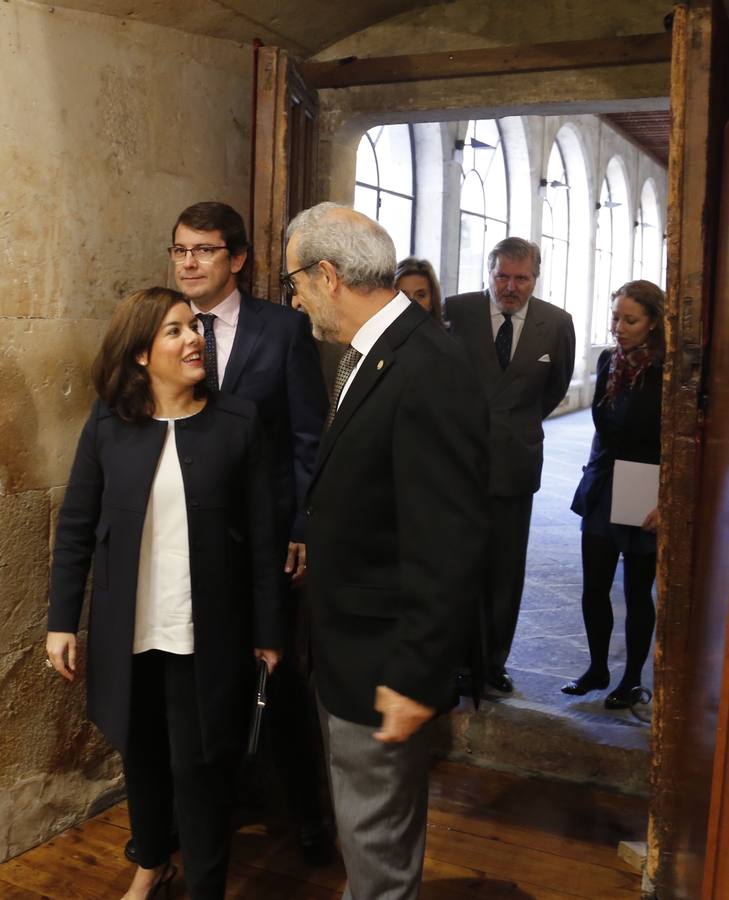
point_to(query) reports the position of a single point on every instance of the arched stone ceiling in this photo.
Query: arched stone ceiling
(301, 26)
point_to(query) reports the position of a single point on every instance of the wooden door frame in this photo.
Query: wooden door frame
(277, 82)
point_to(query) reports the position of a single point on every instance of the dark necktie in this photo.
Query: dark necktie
(211, 353)
(345, 368)
(503, 340)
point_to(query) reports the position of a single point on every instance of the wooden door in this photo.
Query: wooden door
(693, 562)
(284, 166)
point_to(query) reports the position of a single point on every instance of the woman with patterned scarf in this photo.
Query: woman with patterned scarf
(626, 410)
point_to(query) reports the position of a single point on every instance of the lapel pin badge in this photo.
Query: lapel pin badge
(381, 363)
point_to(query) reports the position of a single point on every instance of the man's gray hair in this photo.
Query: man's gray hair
(517, 248)
(360, 250)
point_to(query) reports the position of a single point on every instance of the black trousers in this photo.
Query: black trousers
(165, 763)
(509, 519)
(599, 561)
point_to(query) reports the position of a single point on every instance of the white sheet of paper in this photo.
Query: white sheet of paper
(635, 492)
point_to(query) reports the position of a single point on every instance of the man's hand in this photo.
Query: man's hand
(296, 562)
(271, 658)
(650, 523)
(61, 650)
(401, 716)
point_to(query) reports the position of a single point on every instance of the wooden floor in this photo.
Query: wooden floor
(490, 835)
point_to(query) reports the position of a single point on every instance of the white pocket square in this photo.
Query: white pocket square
(545, 358)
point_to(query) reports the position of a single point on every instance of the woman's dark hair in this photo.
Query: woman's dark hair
(652, 299)
(120, 380)
(414, 266)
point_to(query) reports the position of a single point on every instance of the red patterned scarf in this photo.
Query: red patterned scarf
(626, 370)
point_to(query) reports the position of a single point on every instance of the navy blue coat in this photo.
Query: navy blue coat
(638, 439)
(234, 567)
(274, 362)
(397, 531)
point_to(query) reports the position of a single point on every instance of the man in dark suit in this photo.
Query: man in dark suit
(523, 352)
(264, 352)
(395, 539)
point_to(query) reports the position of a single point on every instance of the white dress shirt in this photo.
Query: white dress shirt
(163, 618)
(517, 321)
(224, 328)
(372, 330)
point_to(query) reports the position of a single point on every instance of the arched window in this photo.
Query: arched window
(603, 266)
(638, 244)
(484, 202)
(555, 229)
(611, 248)
(647, 247)
(384, 187)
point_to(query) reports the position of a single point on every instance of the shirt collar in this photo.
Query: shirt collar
(368, 335)
(227, 310)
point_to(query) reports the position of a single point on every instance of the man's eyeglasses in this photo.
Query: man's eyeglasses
(287, 282)
(202, 253)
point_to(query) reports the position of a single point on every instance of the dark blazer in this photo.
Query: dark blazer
(396, 542)
(274, 362)
(636, 439)
(524, 394)
(235, 573)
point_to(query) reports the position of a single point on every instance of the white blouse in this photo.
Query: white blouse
(164, 600)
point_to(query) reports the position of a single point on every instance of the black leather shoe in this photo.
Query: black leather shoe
(316, 846)
(586, 683)
(464, 685)
(500, 681)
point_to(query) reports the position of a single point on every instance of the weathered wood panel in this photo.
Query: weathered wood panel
(284, 163)
(691, 621)
(630, 50)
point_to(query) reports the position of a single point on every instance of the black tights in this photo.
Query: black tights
(599, 561)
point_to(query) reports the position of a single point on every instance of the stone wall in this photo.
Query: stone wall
(107, 129)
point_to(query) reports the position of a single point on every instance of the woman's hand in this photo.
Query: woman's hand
(650, 523)
(271, 658)
(61, 650)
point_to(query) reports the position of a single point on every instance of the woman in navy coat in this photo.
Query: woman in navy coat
(626, 410)
(171, 497)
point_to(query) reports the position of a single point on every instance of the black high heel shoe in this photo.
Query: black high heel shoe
(586, 683)
(163, 885)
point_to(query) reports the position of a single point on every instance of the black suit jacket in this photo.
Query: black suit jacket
(396, 541)
(274, 362)
(235, 572)
(637, 439)
(523, 394)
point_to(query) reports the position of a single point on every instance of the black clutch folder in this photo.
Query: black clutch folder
(259, 705)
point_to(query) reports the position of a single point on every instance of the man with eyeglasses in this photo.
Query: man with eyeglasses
(265, 352)
(523, 352)
(396, 539)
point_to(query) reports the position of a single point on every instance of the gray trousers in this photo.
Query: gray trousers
(380, 797)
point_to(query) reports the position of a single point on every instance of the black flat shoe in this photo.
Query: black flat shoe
(622, 697)
(586, 683)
